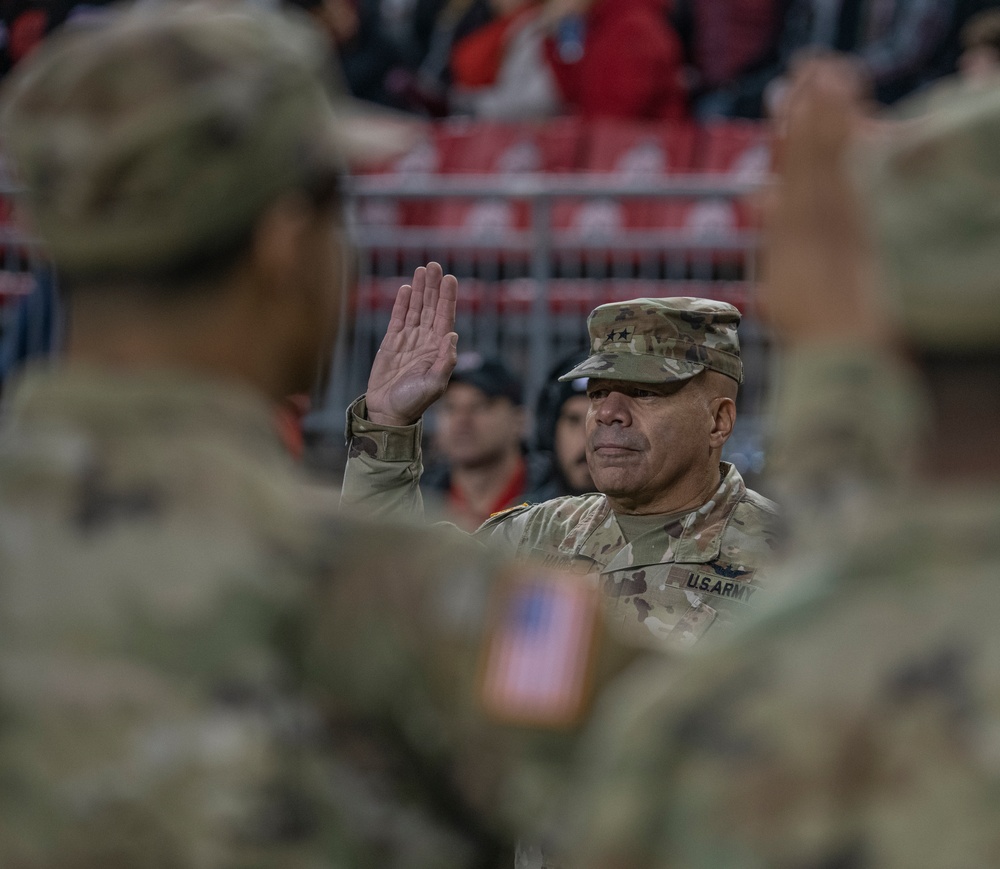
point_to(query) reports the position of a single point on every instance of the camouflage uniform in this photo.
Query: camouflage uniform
(203, 665)
(670, 584)
(858, 725)
(164, 584)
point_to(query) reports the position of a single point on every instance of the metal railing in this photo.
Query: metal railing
(524, 306)
(525, 285)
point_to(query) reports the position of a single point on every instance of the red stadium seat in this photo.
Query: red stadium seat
(629, 152)
(740, 150)
(432, 155)
(503, 150)
(461, 146)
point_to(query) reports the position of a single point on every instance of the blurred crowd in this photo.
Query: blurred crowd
(520, 59)
(485, 456)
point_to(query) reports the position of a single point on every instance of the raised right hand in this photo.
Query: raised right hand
(418, 352)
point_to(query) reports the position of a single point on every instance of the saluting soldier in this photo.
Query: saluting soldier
(680, 543)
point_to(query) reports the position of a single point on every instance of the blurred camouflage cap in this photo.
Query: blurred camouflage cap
(658, 340)
(934, 192)
(149, 133)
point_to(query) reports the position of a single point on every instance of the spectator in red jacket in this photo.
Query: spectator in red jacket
(617, 58)
(500, 70)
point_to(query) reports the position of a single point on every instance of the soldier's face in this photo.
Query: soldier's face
(648, 445)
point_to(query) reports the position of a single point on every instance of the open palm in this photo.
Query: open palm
(418, 352)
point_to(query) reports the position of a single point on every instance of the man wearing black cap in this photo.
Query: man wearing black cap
(479, 435)
(560, 433)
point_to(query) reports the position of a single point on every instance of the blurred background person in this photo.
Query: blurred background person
(892, 44)
(480, 434)
(980, 38)
(454, 20)
(616, 59)
(500, 70)
(379, 44)
(560, 433)
(32, 327)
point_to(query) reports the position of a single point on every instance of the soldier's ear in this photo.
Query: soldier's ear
(723, 419)
(278, 241)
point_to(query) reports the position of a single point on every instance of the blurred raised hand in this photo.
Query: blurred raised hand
(821, 275)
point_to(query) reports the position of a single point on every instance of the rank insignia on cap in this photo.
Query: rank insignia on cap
(539, 651)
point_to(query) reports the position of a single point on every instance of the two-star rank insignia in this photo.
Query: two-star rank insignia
(622, 335)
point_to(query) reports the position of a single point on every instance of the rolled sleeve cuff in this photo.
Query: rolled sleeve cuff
(388, 443)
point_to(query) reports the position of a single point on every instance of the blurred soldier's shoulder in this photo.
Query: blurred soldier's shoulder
(100, 452)
(177, 591)
(908, 697)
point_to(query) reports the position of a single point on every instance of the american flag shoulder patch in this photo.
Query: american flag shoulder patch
(539, 653)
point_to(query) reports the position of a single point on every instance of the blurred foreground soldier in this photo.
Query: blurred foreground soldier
(201, 663)
(860, 725)
(677, 538)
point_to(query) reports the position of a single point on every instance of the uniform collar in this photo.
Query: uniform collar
(695, 538)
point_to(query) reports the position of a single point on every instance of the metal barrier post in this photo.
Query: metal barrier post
(541, 271)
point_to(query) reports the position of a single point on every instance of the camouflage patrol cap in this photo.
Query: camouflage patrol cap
(933, 193)
(659, 340)
(147, 134)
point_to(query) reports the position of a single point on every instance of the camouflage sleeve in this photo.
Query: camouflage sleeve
(383, 466)
(846, 424)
